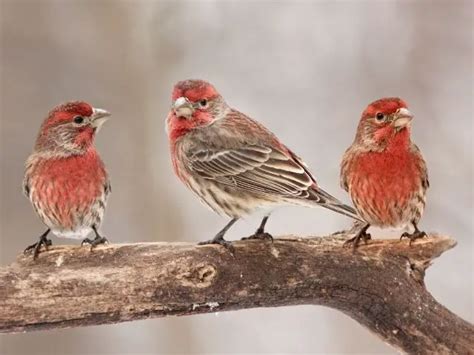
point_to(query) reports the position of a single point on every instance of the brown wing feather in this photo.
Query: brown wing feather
(256, 168)
(422, 166)
(346, 161)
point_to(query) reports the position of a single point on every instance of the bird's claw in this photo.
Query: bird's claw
(356, 240)
(220, 241)
(260, 236)
(37, 246)
(94, 242)
(413, 236)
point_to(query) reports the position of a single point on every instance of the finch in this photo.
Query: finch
(234, 164)
(65, 179)
(384, 171)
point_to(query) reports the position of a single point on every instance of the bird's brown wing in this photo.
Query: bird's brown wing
(255, 168)
(346, 161)
(107, 188)
(422, 166)
(26, 186)
(264, 170)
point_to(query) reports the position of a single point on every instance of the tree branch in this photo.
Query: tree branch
(380, 286)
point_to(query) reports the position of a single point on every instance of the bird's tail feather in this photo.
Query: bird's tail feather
(323, 199)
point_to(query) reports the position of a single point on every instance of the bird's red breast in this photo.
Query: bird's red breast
(67, 186)
(380, 182)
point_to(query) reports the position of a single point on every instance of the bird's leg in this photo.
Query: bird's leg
(356, 225)
(260, 232)
(43, 240)
(362, 234)
(219, 238)
(96, 241)
(417, 234)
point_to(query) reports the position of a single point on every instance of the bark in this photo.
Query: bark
(380, 286)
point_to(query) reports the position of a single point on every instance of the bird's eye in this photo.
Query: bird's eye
(203, 103)
(379, 116)
(78, 119)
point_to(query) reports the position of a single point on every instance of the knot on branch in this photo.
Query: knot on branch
(197, 276)
(417, 270)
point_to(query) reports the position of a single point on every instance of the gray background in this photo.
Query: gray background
(305, 69)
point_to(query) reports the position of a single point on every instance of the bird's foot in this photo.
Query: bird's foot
(260, 235)
(356, 240)
(95, 242)
(413, 236)
(37, 246)
(220, 241)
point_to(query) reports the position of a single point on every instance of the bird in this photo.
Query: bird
(234, 164)
(384, 172)
(65, 178)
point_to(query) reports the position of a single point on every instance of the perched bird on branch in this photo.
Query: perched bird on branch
(384, 172)
(234, 164)
(65, 179)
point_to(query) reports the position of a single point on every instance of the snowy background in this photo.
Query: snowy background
(306, 69)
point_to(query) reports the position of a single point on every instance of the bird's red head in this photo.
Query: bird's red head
(70, 128)
(195, 103)
(383, 120)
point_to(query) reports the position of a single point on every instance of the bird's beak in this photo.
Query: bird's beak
(402, 119)
(98, 117)
(183, 108)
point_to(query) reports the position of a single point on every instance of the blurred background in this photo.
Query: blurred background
(306, 69)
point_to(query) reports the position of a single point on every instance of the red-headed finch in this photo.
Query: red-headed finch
(65, 179)
(384, 172)
(233, 163)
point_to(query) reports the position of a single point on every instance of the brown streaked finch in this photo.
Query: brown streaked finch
(65, 179)
(384, 171)
(234, 164)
